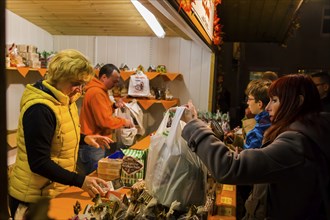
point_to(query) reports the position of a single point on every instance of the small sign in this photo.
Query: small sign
(228, 187)
(204, 11)
(226, 200)
(131, 165)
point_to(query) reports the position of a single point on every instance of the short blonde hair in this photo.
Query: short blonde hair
(69, 65)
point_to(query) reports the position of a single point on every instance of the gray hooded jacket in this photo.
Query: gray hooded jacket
(285, 173)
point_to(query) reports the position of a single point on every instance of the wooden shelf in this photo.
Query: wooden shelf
(25, 70)
(151, 75)
(146, 103)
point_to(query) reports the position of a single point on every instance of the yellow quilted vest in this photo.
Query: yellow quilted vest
(25, 185)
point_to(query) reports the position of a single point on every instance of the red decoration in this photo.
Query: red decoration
(186, 5)
(217, 27)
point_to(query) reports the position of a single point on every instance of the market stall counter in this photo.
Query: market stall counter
(61, 207)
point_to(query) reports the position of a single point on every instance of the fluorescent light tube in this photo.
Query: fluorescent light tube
(150, 19)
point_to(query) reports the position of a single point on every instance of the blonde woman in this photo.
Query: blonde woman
(49, 134)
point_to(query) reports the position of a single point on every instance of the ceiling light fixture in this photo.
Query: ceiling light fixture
(150, 19)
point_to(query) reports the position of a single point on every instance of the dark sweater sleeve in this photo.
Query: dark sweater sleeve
(271, 164)
(82, 139)
(39, 123)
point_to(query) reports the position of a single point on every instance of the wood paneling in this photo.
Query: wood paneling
(87, 17)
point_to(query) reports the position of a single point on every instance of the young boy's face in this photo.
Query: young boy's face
(254, 106)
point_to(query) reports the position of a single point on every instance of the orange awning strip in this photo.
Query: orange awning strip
(23, 70)
(42, 71)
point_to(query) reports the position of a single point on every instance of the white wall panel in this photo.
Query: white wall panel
(185, 69)
(205, 79)
(21, 31)
(195, 73)
(132, 55)
(85, 44)
(139, 52)
(122, 51)
(160, 52)
(13, 93)
(101, 50)
(111, 49)
(174, 54)
(15, 87)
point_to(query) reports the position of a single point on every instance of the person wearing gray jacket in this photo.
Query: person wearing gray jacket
(290, 171)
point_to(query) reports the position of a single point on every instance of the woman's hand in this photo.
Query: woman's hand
(98, 141)
(190, 112)
(94, 185)
(229, 137)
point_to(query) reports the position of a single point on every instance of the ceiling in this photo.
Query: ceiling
(89, 17)
(242, 20)
(259, 20)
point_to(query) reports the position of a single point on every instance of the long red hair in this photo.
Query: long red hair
(299, 99)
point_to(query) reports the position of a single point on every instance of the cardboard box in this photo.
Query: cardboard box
(109, 169)
(11, 139)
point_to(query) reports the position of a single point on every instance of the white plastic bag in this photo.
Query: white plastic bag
(174, 172)
(137, 114)
(139, 85)
(125, 135)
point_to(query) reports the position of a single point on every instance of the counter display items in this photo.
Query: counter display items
(165, 180)
(137, 203)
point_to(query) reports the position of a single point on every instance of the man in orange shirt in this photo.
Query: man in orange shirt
(96, 116)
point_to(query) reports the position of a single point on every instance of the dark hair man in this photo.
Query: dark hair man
(322, 82)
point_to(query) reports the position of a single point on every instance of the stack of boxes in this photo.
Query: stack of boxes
(109, 169)
(23, 55)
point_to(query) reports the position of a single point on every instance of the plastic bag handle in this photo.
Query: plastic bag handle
(163, 124)
(175, 130)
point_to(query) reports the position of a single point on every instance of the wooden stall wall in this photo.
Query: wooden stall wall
(21, 31)
(179, 55)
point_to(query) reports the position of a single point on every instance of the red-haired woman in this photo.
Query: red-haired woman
(290, 172)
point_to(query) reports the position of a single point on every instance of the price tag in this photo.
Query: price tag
(228, 187)
(226, 200)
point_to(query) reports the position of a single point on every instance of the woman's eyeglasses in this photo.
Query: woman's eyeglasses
(80, 84)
